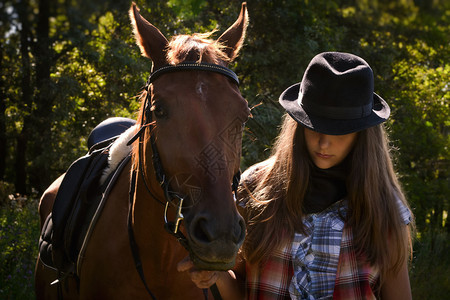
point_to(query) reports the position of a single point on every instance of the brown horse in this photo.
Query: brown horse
(192, 117)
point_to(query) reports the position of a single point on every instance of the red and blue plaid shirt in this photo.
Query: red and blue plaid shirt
(271, 279)
(318, 265)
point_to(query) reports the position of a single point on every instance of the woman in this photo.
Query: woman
(326, 216)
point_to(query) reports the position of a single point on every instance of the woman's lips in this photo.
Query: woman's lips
(325, 156)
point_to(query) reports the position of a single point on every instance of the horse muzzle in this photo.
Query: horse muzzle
(214, 243)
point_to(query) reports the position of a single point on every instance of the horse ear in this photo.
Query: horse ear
(233, 37)
(149, 39)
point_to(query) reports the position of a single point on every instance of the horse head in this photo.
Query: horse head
(193, 115)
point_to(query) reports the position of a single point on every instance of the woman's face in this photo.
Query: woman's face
(327, 151)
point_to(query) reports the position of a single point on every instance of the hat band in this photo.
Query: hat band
(338, 113)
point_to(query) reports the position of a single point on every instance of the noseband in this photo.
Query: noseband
(172, 198)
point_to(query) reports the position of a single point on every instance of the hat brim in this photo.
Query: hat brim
(288, 99)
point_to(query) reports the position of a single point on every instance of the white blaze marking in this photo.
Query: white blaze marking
(201, 89)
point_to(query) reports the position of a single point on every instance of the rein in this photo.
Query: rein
(171, 227)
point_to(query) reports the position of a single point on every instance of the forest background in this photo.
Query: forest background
(66, 65)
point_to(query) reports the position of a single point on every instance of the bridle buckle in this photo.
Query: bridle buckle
(178, 217)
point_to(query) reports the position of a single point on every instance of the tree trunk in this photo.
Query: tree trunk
(26, 97)
(40, 171)
(3, 147)
(21, 162)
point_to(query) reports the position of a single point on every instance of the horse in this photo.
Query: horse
(181, 176)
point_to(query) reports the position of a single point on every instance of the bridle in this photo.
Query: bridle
(171, 198)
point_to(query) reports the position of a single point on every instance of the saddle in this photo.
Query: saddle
(80, 199)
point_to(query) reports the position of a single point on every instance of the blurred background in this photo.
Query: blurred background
(66, 65)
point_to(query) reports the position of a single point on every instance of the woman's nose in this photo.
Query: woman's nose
(324, 141)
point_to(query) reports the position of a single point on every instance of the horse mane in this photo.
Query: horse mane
(197, 47)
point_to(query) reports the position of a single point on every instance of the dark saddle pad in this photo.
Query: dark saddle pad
(76, 202)
(108, 130)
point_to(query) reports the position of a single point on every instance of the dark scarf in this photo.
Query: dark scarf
(326, 186)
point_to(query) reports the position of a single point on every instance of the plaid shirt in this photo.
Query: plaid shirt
(271, 279)
(319, 265)
(355, 279)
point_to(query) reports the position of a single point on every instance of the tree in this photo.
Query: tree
(26, 95)
(76, 69)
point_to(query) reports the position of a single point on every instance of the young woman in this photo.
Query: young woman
(326, 216)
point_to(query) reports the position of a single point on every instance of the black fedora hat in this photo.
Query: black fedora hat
(336, 95)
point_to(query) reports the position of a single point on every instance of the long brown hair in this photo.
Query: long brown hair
(274, 190)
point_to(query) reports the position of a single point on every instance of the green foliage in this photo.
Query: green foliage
(95, 71)
(431, 266)
(421, 128)
(19, 233)
(186, 9)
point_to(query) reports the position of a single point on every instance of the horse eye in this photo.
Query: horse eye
(159, 111)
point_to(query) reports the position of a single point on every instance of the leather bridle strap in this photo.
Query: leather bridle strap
(133, 244)
(193, 66)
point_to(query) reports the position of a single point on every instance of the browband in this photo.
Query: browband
(193, 66)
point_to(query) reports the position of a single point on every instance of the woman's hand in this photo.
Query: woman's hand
(227, 284)
(202, 279)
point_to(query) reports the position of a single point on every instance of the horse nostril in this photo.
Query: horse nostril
(201, 232)
(205, 230)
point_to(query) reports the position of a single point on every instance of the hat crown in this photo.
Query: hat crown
(336, 96)
(337, 86)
